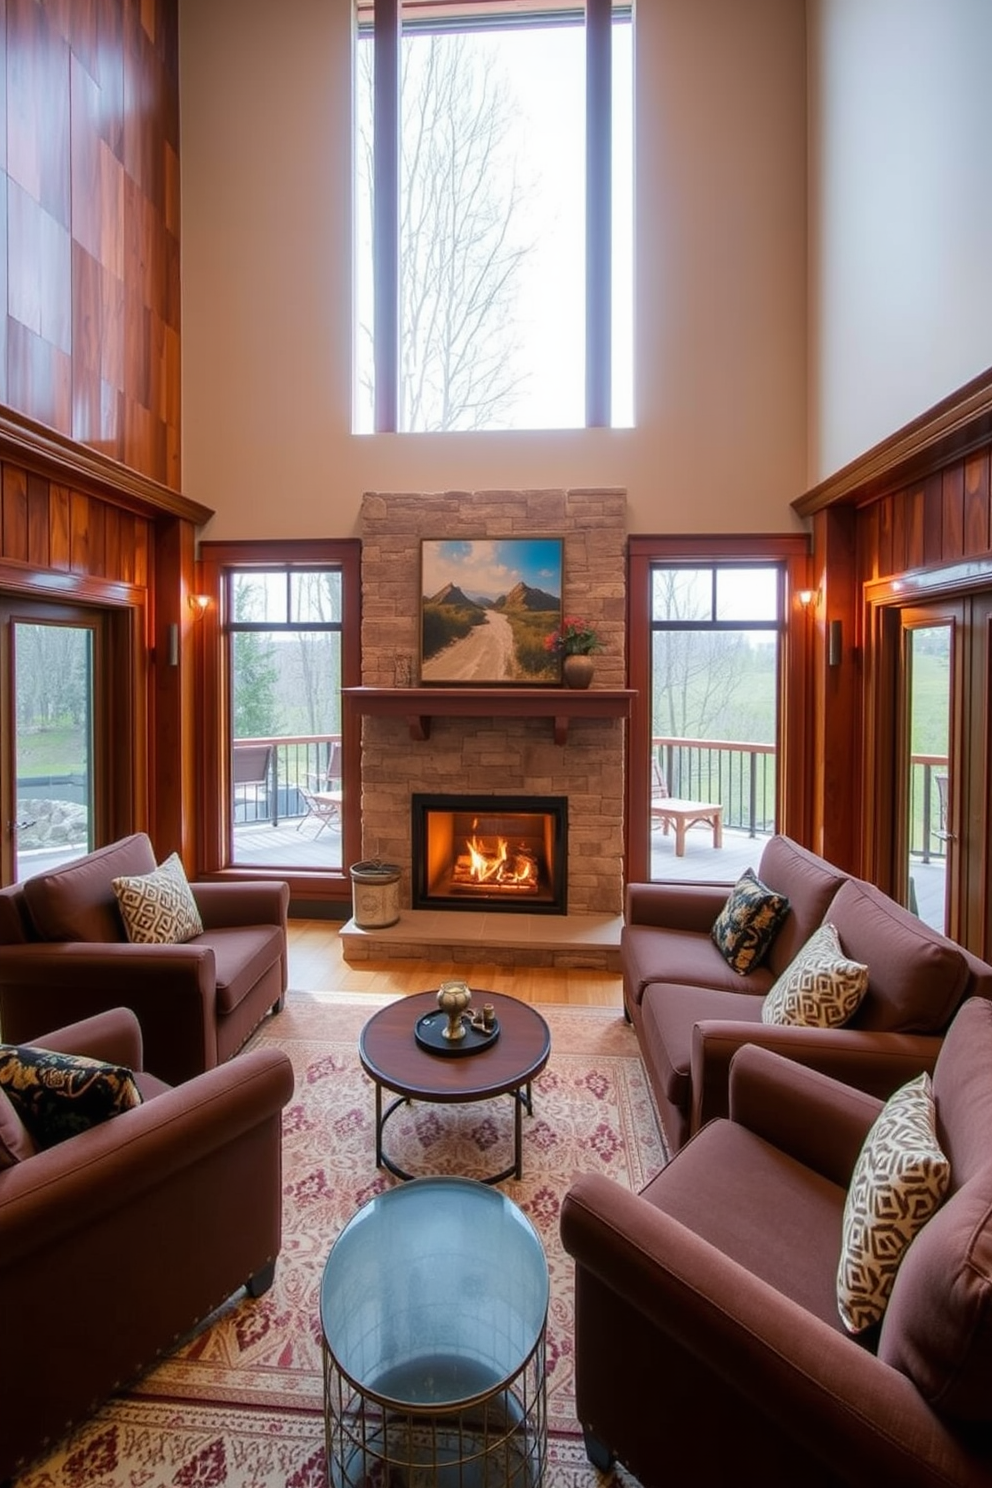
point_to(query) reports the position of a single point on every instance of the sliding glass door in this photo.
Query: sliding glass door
(48, 660)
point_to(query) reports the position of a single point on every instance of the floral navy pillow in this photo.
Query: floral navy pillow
(59, 1095)
(748, 922)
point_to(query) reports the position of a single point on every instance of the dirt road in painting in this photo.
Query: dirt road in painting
(484, 655)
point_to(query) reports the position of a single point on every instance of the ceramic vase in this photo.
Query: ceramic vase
(577, 670)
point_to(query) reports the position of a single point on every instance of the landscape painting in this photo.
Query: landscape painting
(489, 611)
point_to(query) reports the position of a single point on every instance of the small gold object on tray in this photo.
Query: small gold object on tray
(463, 1029)
(453, 998)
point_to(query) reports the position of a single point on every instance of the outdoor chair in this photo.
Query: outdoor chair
(250, 776)
(322, 795)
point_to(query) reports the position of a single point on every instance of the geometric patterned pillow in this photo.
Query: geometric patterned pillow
(158, 908)
(899, 1180)
(58, 1095)
(820, 988)
(748, 922)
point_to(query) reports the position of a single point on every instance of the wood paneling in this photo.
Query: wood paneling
(46, 526)
(89, 223)
(918, 509)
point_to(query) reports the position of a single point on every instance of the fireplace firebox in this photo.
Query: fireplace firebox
(506, 853)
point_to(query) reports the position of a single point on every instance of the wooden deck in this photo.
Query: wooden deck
(284, 847)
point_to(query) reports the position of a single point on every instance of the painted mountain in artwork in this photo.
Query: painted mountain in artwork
(525, 597)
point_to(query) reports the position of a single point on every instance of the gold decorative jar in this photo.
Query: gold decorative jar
(453, 998)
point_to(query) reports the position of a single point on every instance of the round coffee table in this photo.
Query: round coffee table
(433, 1309)
(394, 1060)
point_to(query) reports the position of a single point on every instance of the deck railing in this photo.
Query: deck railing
(294, 758)
(741, 777)
(927, 813)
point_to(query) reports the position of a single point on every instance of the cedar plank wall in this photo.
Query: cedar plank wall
(90, 356)
(90, 204)
(916, 508)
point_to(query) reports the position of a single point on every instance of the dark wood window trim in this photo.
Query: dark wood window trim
(387, 28)
(309, 891)
(795, 744)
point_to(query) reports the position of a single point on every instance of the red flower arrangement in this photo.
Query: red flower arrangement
(575, 637)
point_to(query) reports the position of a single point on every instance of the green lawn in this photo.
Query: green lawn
(57, 751)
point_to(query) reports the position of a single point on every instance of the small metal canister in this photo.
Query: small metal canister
(375, 894)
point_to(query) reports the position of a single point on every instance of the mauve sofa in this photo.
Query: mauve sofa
(117, 1241)
(709, 1348)
(64, 956)
(692, 1011)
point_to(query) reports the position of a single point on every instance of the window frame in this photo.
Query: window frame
(324, 892)
(794, 740)
(384, 20)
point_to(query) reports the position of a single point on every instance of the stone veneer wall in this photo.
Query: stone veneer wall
(500, 755)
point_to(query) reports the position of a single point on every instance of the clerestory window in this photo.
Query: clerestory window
(493, 209)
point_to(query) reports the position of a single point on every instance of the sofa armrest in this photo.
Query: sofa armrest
(676, 906)
(815, 1119)
(874, 1062)
(106, 1169)
(265, 902)
(114, 1036)
(807, 1380)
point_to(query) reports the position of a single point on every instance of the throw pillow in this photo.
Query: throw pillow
(15, 1143)
(158, 908)
(820, 988)
(748, 922)
(899, 1180)
(58, 1095)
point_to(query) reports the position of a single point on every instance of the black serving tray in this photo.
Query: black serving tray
(429, 1033)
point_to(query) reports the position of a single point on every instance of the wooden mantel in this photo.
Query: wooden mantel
(418, 705)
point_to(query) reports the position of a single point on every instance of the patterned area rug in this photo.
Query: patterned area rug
(239, 1405)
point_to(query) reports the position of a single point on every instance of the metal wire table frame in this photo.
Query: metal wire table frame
(445, 1407)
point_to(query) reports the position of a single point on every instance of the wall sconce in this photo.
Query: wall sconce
(835, 643)
(199, 604)
(808, 597)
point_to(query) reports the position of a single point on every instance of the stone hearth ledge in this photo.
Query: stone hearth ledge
(571, 942)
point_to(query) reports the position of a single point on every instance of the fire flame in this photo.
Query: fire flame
(495, 865)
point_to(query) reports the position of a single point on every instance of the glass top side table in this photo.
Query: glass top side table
(433, 1309)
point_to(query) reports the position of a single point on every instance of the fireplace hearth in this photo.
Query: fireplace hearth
(505, 853)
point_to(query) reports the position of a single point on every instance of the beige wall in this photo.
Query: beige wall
(900, 214)
(720, 289)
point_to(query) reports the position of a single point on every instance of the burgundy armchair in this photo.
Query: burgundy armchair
(118, 1241)
(709, 1347)
(64, 955)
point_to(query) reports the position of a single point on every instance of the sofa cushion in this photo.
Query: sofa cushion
(243, 954)
(810, 884)
(772, 1215)
(821, 987)
(748, 922)
(78, 902)
(899, 1181)
(15, 1140)
(59, 1095)
(682, 957)
(668, 1016)
(916, 976)
(938, 1324)
(158, 908)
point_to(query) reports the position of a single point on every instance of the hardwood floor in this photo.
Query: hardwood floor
(317, 965)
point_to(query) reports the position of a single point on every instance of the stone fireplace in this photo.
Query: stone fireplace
(500, 747)
(506, 854)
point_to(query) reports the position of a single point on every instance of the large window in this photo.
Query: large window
(719, 755)
(284, 627)
(493, 283)
(714, 700)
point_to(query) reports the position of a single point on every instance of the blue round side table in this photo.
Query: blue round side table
(433, 1309)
